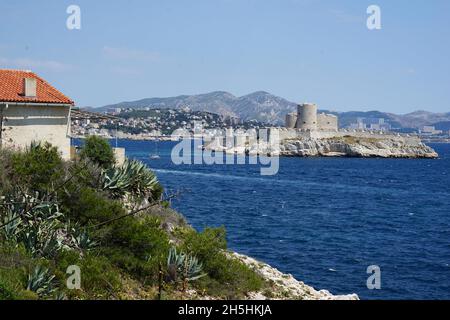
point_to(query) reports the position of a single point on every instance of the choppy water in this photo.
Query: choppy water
(325, 220)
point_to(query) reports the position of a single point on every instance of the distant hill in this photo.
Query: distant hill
(268, 108)
(261, 106)
(347, 118)
(419, 119)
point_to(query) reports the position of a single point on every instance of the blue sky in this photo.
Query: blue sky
(302, 50)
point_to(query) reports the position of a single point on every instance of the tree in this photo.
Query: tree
(99, 151)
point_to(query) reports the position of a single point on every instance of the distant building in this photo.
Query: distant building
(306, 118)
(377, 124)
(33, 110)
(431, 130)
(114, 111)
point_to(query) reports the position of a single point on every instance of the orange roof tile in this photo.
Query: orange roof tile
(11, 89)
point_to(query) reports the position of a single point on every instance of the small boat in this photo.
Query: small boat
(155, 155)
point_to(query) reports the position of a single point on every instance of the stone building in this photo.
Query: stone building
(33, 110)
(307, 119)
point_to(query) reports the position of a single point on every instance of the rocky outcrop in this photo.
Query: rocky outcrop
(285, 286)
(333, 144)
(349, 146)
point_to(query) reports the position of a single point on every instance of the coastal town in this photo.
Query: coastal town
(151, 123)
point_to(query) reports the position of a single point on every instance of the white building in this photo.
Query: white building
(33, 110)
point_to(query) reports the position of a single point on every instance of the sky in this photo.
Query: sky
(303, 50)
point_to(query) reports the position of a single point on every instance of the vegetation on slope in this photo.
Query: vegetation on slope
(113, 223)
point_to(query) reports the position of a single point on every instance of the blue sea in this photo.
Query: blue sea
(325, 220)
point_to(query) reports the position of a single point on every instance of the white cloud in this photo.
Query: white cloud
(27, 63)
(130, 54)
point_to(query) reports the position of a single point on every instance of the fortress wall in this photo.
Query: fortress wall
(307, 134)
(292, 134)
(327, 122)
(367, 135)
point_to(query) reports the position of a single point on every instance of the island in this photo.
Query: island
(309, 134)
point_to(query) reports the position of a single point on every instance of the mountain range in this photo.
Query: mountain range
(269, 108)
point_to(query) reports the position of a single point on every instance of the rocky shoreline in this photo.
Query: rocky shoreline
(339, 145)
(285, 286)
(281, 286)
(348, 146)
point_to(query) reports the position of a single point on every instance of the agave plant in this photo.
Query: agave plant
(41, 281)
(41, 238)
(59, 295)
(82, 240)
(133, 178)
(41, 231)
(32, 222)
(183, 265)
(11, 222)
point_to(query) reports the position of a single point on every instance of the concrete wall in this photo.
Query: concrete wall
(327, 122)
(24, 124)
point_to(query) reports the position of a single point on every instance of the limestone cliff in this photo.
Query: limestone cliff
(350, 146)
(292, 142)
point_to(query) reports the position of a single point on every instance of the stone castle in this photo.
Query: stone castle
(307, 119)
(309, 134)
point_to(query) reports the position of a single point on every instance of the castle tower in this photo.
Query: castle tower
(291, 120)
(307, 117)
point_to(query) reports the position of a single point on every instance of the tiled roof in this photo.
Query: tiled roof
(11, 89)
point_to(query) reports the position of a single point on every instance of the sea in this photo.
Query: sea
(327, 221)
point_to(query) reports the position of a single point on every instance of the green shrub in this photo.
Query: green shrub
(86, 173)
(204, 244)
(40, 167)
(227, 277)
(11, 289)
(144, 236)
(99, 151)
(99, 278)
(14, 266)
(137, 246)
(5, 171)
(87, 205)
